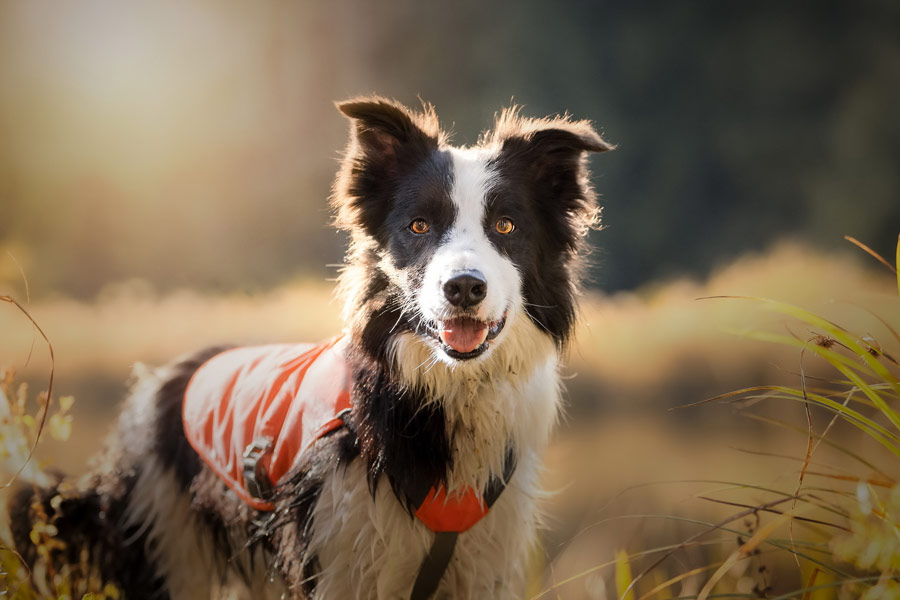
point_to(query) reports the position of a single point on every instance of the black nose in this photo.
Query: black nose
(466, 289)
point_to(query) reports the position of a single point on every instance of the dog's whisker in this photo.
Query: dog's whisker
(536, 320)
(538, 305)
(427, 359)
(399, 318)
(431, 366)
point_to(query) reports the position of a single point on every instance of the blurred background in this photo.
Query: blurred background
(165, 169)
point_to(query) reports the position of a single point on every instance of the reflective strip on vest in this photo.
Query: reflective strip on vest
(287, 395)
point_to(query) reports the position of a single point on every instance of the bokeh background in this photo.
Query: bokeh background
(165, 169)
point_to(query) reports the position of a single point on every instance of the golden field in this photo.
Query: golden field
(624, 469)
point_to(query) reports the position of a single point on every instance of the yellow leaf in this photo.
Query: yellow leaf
(66, 402)
(61, 427)
(623, 576)
(21, 397)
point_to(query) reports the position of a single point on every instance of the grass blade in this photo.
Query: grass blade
(623, 576)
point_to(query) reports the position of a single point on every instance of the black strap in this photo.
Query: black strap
(438, 558)
(435, 565)
(256, 479)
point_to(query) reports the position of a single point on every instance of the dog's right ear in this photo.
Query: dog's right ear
(385, 134)
(387, 140)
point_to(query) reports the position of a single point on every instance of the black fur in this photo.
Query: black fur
(390, 157)
(384, 318)
(92, 516)
(541, 187)
(397, 436)
(171, 446)
(91, 524)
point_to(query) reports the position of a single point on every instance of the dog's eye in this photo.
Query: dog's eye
(419, 226)
(504, 225)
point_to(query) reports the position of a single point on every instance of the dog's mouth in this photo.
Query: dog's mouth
(463, 338)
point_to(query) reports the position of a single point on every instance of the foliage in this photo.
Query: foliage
(860, 509)
(840, 525)
(22, 427)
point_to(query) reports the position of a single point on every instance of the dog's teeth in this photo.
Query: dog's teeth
(495, 326)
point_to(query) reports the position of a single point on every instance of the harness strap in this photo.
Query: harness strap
(435, 563)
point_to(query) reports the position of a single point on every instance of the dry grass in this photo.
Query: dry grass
(832, 529)
(629, 340)
(620, 453)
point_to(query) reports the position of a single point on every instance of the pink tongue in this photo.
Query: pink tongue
(464, 335)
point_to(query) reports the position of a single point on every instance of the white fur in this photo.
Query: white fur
(466, 247)
(374, 549)
(510, 395)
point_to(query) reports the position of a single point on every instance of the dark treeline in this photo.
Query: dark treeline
(738, 123)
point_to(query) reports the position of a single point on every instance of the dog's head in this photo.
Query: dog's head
(460, 247)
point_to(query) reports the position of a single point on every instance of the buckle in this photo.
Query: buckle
(256, 478)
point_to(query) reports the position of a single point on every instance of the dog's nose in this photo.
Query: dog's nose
(466, 289)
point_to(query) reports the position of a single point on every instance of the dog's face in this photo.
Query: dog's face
(459, 243)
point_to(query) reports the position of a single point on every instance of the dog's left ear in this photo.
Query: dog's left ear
(552, 154)
(549, 146)
(563, 137)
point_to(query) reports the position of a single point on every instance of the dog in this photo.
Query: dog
(460, 286)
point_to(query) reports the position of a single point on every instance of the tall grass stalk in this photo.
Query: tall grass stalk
(862, 508)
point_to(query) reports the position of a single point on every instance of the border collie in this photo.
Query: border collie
(459, 291)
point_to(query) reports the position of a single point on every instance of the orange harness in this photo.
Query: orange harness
(251, 412)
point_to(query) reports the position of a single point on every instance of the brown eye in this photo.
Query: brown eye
(419, 226)
(504, 226)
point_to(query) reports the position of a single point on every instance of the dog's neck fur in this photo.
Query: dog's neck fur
(459, 420)
(495, 404)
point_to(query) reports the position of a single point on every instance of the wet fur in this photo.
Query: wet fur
(154, 519)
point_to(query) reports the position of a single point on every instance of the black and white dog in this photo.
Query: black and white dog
(460, 289)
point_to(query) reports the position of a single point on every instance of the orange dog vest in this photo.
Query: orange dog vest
(251, 412)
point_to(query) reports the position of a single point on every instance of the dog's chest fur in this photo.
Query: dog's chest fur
(374, 550)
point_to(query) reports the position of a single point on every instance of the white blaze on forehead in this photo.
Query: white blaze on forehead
(471, 181)
(466, 246)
